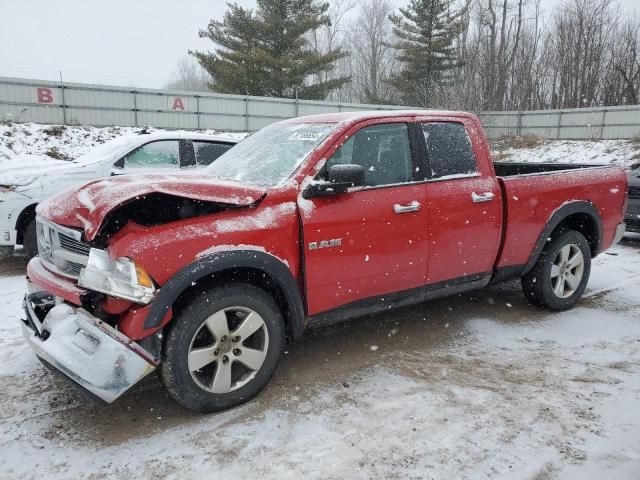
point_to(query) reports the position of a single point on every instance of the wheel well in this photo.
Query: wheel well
(24, 219)
(586, 225)
(253, 276)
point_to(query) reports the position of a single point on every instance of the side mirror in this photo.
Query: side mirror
(341, 178)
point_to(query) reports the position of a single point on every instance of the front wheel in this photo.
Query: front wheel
(559, 277)
(222, 348)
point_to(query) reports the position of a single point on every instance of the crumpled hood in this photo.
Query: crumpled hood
(86, 207)
(29, 167)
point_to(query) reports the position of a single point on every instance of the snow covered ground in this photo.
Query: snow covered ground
(613, 152)
(29, 142)
(477, 386)
(480, 385)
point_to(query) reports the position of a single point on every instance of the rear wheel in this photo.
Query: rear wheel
(559, 277)
(222, 348)
(30, 241)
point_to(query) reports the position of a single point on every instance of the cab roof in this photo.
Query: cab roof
(357, 116)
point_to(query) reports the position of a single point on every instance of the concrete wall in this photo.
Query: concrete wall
(575, 123)
(38, 101)
(24, 100)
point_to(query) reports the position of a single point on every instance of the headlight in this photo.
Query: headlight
(121, 278)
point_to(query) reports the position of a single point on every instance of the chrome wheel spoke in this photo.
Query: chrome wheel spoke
(564, 253)
(222, 378)
(559, 288)
(555, 270)
(218, 325)
(573, 281)
(201, 357)
(252, 358)
(575, 260)
(250, 325)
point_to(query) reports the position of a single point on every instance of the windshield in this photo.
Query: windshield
(270, 155)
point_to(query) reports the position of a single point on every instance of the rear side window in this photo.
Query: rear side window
(207, 152)
(449, 149)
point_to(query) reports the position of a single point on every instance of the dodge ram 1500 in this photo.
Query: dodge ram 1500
(204, 277)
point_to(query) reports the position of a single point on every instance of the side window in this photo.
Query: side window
(161, 154)
(449, 149)
(382, 150)
(207, 152)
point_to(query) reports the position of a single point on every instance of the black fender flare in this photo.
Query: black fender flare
(561, 214)
(220, 261)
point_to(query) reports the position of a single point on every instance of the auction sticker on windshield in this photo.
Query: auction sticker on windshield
(309, 134)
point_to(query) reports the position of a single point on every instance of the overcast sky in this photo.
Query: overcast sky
(122, 42)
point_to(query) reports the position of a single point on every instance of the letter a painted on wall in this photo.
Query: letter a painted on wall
(177, 104)
(45, 95)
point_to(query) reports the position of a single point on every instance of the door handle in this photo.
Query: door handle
(482, 197)
(410, 207)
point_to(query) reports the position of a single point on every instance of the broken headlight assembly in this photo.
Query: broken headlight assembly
(121, 278)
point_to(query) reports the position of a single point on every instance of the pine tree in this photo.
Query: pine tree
(426, 31)
(265, 52)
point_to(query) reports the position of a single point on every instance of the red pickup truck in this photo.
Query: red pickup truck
(310, 221)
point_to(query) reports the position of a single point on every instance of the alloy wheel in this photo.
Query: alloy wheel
(567, 271)
(228, 349)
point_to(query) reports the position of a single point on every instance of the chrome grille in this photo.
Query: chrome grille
(73, 245)
(61, 248)
(634, 192)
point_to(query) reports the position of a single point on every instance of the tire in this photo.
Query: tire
(30, 241)
(197, 338)
(559, 277)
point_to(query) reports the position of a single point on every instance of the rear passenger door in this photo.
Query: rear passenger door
(463, 202)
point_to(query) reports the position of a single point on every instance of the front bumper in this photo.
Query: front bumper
(11, 205)
(88, 351)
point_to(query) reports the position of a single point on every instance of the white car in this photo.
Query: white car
(22, 188)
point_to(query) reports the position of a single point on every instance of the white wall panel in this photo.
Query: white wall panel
(25, 100)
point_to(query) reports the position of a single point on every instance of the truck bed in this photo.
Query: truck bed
(532, 192)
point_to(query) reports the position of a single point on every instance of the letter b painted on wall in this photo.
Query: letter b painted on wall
(45, 95)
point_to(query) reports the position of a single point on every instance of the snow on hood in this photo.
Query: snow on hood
(29, 167)
(24, 169)
(86, 207)
(108, 149)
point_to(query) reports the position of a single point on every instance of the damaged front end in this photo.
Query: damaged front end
(88, 351)
(90, 291)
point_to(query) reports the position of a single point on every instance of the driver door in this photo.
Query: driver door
(371, 241)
